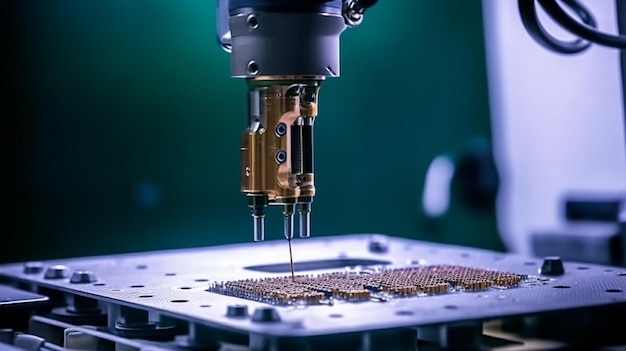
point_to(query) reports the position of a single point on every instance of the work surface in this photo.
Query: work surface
(175, 283)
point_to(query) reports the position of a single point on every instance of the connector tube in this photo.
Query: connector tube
(288, 226)
(307, 149)
(304, 213)
(259, 227)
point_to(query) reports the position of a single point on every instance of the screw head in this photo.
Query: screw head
(280, 157)
(57, 272)
(281, 129)
(552, 265)
(252, 68)
(378, 244)
(265, 315)
(33, 267)
(83, 277)
(252, 21)
(237, 311)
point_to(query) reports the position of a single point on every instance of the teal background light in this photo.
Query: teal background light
(128, 123)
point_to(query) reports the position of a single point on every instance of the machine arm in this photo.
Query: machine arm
(284, 49)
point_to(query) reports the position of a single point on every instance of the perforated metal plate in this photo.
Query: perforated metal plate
(13, 298)
(174, 283)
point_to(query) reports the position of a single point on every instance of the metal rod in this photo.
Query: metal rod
(293, 276)
(288, 231)
(259, 227)
(620, 8)
(288, 226)
(307, 148)
(304, 225)
(288, 221)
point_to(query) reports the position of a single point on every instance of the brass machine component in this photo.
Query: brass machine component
(284, 49)
(277, 149)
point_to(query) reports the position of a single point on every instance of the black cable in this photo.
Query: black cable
(586, 32)
(536, 31)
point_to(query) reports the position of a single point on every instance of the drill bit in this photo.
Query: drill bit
(288, 231)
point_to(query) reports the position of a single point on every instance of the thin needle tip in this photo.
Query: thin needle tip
(293, 276)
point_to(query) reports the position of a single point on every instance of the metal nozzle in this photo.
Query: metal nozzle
(257, 203)
(259, 227)
(304, 211)
(288, 223)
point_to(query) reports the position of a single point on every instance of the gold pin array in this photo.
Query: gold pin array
(397, 282)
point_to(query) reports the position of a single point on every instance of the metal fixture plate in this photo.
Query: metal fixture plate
(14, 298)
(174, 283)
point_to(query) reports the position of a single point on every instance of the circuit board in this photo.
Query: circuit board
(343, 284)
(366, 285)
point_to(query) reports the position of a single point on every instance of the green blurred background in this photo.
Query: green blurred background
(125, 126)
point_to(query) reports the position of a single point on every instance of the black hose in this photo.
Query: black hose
(535, 29)
(586, 31)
